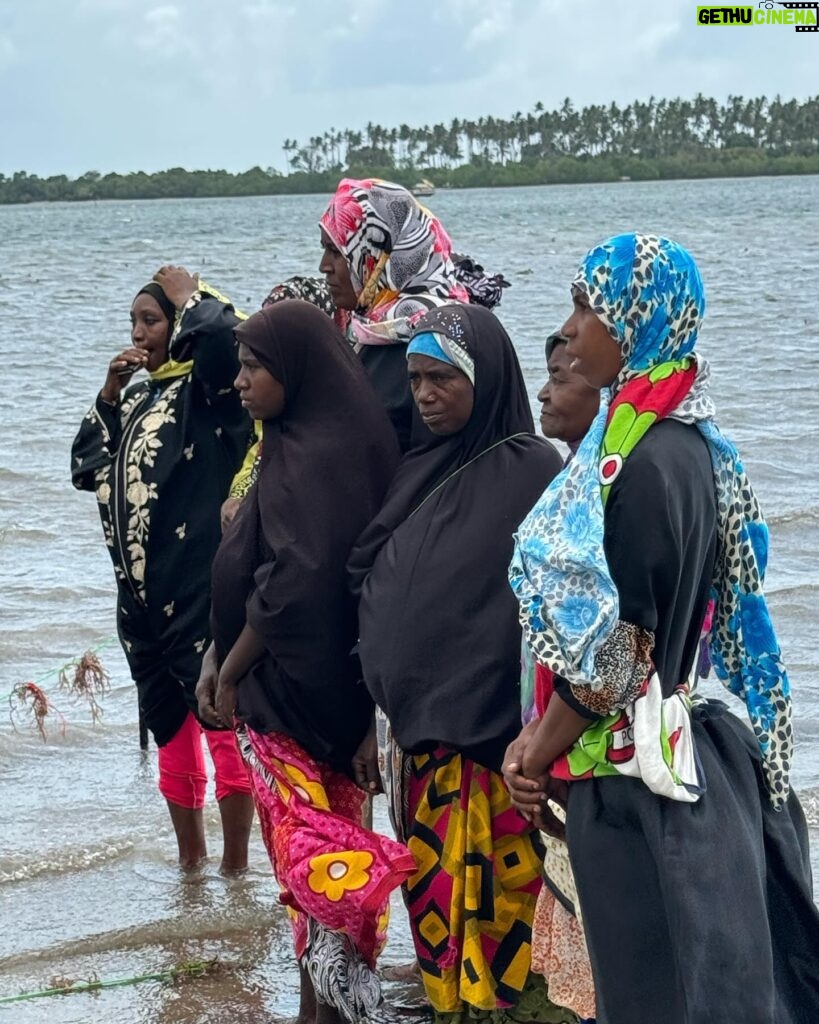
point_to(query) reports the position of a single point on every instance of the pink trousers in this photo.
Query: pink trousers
(183, 778)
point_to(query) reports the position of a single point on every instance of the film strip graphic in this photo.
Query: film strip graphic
(801, 7)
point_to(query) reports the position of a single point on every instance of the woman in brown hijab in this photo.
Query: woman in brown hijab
(284, 628)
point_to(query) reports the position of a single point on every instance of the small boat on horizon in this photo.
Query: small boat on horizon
(423, 188)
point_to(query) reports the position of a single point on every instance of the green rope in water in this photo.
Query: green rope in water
(193, 969)
(55, 672)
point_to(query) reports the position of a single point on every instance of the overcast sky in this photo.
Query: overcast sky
(139, 85)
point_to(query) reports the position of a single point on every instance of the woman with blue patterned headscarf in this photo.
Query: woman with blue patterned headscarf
(615, 569)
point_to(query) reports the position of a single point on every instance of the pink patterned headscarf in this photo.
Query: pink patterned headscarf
(382, 229)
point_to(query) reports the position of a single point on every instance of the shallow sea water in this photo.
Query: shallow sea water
(88, 883)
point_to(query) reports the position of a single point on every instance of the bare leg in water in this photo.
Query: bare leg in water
(236, 811)
(189, 826)
(327, 1015)
(311, 1011)
(307, 999)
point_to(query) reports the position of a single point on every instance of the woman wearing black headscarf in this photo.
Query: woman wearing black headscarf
(440, 648)
(160, 455)
(311, 289)
(284, 628)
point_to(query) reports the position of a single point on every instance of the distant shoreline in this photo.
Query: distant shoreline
(177, 183)
(661, 139)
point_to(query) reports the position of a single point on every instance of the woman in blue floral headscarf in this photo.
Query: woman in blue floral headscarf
(689, 851)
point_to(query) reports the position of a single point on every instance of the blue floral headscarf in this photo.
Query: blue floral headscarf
(648, 293)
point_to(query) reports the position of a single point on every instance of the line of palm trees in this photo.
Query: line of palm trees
(654, 128)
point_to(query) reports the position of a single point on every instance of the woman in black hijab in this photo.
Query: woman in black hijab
(284, 626)
(160, 454)
(440, 649)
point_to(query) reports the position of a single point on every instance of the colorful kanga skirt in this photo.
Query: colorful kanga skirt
(336, 876)
(472, 898)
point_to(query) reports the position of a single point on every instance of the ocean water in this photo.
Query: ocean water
(88, 883)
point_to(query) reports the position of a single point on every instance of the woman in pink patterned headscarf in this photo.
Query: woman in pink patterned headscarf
(397, 254)
(387, 260)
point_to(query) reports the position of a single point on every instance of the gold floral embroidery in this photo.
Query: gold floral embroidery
(139, 495)
(94, 417)
(103, 491)
(138, 448)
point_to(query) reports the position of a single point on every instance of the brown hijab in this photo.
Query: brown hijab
(326, 464)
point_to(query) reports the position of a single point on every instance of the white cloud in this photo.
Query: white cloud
(162, 33)
(491, 26)
(163, 19)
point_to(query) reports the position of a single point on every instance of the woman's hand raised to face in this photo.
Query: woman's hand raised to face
(177, 283)
(120, 370)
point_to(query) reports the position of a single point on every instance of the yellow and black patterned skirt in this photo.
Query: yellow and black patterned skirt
(472, 899)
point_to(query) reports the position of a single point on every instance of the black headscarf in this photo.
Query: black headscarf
(162, 300)
(440, 638)
(326, 463)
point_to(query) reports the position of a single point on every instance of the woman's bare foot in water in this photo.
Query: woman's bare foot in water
(402, 972)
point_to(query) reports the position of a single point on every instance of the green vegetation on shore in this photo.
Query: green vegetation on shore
(655, 140)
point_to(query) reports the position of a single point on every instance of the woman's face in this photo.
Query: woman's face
(262, 395)
(592, 351)
(569, 403)
(336, 271)
(443, 394)
(150, 330)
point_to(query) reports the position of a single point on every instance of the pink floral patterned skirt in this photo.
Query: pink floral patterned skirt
(336, 876)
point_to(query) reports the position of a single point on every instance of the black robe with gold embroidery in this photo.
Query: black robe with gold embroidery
(161, 462)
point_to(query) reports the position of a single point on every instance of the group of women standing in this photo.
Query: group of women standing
(361, 631)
